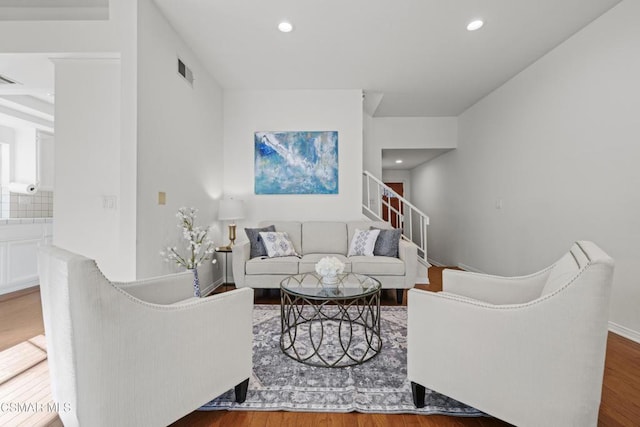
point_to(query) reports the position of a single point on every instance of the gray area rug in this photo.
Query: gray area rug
(377, 386)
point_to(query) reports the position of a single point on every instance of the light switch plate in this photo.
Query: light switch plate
(109, 202)
(162, 198)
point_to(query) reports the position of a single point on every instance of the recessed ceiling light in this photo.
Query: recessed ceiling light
(476, 24)
(285, 27)
(398, 161)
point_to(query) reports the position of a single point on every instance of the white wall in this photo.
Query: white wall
(179, 142)
(246, 112)
(87, 162)
(174, 120)
(434, 190)
(559, 145)
(407, 132)
(115, 38)
(371, 156)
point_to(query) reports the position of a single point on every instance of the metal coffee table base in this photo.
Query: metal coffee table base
(330, 333)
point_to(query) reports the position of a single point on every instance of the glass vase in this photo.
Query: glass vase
(330, 280)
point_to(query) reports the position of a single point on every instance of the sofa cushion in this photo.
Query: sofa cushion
(379, 265)
(292, 228)
(387, 243)
(324, 238)
(283, 265)
(277, 244)
(308, 262)
(364, 225)
(255, 241)
(363, 242)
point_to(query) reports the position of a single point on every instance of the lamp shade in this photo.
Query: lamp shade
(231, 209)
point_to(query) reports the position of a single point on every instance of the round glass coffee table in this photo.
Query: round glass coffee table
(330, 327)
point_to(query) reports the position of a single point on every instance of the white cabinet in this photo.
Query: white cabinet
(32, 158)
(24, 156)
(19, 241)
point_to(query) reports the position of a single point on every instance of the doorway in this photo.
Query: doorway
(392, 207)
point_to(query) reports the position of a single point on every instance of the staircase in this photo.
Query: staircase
(381, 203)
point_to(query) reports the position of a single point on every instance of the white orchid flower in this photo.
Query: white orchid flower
(198, 249)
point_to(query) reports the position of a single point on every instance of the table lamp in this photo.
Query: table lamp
(231, 210)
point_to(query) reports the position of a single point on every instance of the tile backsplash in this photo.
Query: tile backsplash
(13, 205)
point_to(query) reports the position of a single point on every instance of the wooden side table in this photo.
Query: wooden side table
(226, 250)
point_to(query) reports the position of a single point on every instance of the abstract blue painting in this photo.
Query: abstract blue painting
(296, 162)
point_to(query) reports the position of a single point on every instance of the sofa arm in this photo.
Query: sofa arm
(241, 253)
(408, 252)
(494, 289)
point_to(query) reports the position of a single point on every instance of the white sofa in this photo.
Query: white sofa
(134, 354)
(314, 240)
(529, 350)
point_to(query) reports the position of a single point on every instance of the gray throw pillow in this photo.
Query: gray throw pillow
(255, 241)
(387, 242)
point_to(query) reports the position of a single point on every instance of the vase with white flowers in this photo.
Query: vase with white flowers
(328, 268)
(199, 247)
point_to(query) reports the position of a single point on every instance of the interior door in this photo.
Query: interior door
(395, 203)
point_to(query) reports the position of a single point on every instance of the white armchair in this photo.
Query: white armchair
(118, 360)
(528, 350)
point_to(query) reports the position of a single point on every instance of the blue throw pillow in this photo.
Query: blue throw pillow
(388, 242)
(255, 241)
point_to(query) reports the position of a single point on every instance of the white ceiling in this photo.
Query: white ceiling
(417, 53)
(28, 102)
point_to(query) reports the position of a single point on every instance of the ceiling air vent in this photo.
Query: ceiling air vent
(185, 71)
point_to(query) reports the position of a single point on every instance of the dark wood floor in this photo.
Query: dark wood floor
(21, 319)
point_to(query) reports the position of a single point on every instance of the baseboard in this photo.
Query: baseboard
(624, 332)
(459, 265)
(20, 285)
(469, 268)
(435, 263)
(19, 293)
(212, 287)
